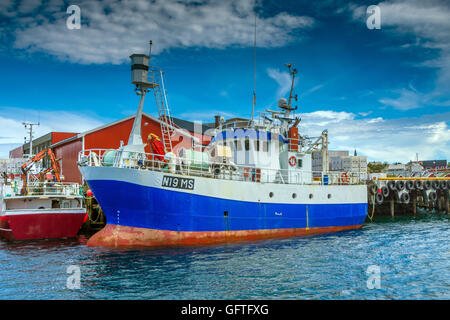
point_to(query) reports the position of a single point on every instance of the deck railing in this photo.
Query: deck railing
(15, 189)
(214, 170)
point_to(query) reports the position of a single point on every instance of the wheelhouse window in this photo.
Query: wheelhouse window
(257, 145)
(238, 145)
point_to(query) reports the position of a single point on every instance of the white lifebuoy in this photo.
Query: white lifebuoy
(292, 161)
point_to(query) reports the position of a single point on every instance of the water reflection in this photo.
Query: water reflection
(412, 253)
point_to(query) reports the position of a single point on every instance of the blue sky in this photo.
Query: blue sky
(384, 92)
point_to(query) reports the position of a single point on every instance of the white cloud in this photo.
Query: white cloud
(429, 23)
(283, 79)
(6, 8)
(28, 6)
(313, 89)
(406, 100)
(112, 30)
(326, 117)
(381, 139)
(12, 132)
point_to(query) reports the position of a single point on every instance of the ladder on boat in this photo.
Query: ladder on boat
(167, 128)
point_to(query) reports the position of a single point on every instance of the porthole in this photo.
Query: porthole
(294, 195)
(310, 195)
(271, 194)
(329, 196)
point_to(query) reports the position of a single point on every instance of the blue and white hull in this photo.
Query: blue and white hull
(153, 208)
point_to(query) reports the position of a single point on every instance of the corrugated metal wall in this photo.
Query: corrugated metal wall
(68, 153)
(60, 136)
(110, 137)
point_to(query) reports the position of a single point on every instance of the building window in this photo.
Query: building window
(247, 144)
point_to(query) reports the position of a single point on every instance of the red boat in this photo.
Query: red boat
(39, 208)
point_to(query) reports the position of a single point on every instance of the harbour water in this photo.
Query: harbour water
(412, 254)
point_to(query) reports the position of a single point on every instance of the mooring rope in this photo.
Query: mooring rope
(373, 208)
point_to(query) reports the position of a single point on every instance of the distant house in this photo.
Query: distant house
(397, 169)
(434, 164)
(414, 168)
(193, 127)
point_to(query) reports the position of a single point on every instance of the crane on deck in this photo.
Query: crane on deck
(55, 168)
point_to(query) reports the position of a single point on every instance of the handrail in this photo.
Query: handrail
(413, 178)
(215, 170)
(13, 189)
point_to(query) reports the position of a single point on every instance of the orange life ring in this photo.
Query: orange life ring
(344, 177)
(293, 161)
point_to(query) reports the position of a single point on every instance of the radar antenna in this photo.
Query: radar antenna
(288, 107)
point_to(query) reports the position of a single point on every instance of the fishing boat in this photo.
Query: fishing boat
(254, 180)
(35, 204)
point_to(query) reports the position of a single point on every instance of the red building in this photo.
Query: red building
(41, 143)
(111, 136)
(16, 153)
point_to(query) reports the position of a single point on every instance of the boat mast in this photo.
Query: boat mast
(292, 73)
(139, 77)
(254, 69)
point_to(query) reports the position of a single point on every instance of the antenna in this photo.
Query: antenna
(254, 68)
(286, 105)
(293, 73)
(150, 50)
(29, 128)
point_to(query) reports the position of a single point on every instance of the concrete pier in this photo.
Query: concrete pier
(406, 195)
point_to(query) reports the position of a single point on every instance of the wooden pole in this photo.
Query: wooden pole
(392, 207)
(415, 205)
(447, 207)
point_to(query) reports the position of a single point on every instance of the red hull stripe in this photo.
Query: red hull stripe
(42, 226)
(42, 211)
(121, 236)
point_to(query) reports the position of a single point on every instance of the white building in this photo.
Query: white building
(334, 160)
(355, 164)
(397, 169)
(336, 164)
(415, 169)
